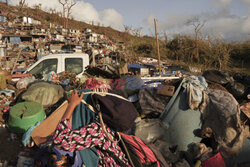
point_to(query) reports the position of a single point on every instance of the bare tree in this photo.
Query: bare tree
(7, 2)
(221, 52)
(127, 29)
(137, 31)
(63, 3)
(67, 6)
(198, 25)
(165, 37)
(21, 4)
(52, 11)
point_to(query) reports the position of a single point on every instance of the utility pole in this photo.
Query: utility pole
(158, 48)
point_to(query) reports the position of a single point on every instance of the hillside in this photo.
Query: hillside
(46, 18)
(179, 50)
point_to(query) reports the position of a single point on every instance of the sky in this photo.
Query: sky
(223, 19)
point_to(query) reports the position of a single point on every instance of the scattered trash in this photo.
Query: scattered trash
(217, 77)
(13, 136)
(152, 103)
(24, 160)
(150, 130)
(191, 121)
(236, 89)
(245, 108)
(24, 82)
(166, 90)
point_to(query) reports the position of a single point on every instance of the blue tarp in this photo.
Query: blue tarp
(135, 66)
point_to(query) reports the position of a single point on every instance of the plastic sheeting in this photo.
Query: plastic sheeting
(182, 121)
(195, 87)
(222, 115)
(151, 102)
(150, 129)
(44, 93)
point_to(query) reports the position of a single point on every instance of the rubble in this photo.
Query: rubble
(176, 134)
(192, 120)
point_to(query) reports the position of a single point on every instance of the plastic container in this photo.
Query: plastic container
(3, 84)
(25, 115)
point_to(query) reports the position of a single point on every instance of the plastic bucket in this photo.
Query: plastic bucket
(25, 115)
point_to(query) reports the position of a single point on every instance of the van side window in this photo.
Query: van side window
(45, 67)
(74, 65)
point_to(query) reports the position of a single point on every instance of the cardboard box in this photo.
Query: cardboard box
(166, 90)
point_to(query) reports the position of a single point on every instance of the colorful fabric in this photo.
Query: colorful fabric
(91, 135)
(81, 117)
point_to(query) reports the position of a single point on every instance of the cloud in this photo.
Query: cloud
(220, 24)
(111, 17)
(223, 6)
(231, 27)
(222, 3)
(246, 1)
(246, 25)
(83, 11)
(150, 20)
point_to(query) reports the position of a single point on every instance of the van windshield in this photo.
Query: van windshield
(74, 65)
(45, 67)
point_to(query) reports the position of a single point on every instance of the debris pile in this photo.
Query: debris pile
(173, 120)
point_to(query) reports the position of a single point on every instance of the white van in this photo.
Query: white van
(58, 63)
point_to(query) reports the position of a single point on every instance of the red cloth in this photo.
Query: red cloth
(215, 161)
(142, 150)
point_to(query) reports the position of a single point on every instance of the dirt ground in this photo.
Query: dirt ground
(10, 145)
(9, 148)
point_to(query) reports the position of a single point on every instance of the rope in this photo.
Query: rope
(126, 150)
(106, 93)
(101, 121)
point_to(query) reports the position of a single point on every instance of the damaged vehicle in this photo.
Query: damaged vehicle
(58, 63)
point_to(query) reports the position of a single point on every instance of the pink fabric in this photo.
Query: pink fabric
(89, 136)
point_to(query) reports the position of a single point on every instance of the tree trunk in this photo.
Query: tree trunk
(196, 47)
